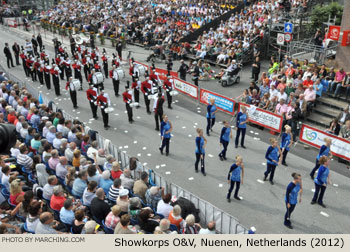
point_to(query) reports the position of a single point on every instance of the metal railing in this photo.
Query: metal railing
(225, 223)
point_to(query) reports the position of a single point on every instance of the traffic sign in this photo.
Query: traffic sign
(280, 38)
(288, 37)
(288, 28)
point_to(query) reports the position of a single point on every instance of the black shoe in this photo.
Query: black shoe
(170, 107)
(243, 147)
(157, 129)
(96, 117)
(148, 112)
(312, 177)
(271, 182)
(289, 226)
(221, 158)
(161, 151)
(211, 130)
(236, 146)
(196, 171)
(131, 121)
(313, 202)
(117, 95)
(237, 198)
(265, 178)
(138, 107)
(228, 200)
(75, 107)
(322, 205)
(208, 134)
(285, 164)
(106, 128)
(204, 174)
(224, 158)
(166, 154)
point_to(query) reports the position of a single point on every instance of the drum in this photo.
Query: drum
(152, 96)
(97, 78)
(173, 93)
(140, 69)
(134, 104)
(109, 110)
(120, 73)
(76, 84)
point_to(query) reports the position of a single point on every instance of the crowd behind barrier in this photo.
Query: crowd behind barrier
(225, 223)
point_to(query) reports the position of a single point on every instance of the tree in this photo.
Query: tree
(320, 14)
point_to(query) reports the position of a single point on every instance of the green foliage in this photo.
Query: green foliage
(320, 14)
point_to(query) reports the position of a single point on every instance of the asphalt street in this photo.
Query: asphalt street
(262, 205)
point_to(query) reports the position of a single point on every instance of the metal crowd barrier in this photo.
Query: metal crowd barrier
(225, 223)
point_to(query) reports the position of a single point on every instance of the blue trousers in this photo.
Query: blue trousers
(198, 158)
(210, 124)
(270, 170)
(317, 165)
(223, 152)
(239, 130)
(319, 193)
(288, 214)
(238, 184)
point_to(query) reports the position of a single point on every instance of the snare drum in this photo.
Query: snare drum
(97, 78)
(152, 96)
(109, 110)
(140, 69)
(76, 84)
(120, 73)
(173, 93)
(134, 104)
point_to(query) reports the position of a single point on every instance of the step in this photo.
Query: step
(326, 110)
(321, 121)
(332, 102)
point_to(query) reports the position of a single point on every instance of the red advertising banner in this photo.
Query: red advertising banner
(222, 103)
(346, 38)
(263, 117)
(162, 73)
(334, 32)
(315, 137)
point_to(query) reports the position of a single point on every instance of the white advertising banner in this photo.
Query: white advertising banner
(186, 88)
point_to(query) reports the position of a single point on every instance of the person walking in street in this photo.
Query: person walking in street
(211, 111)
(158, 109)
(256, 69)
(72, 92)
(235, 176)
(286, 143)
(8, 55)
(16, 50)
(104, 102)
(241, 124)
(200, 151)
(293, 189)
(128, 99)
(183, 70)
(195, 73)
(325, 150)
(321, 181)
(166, 128)
(226, 134)
(273, 157)
(92, 94)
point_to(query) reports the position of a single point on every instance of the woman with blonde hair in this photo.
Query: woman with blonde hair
(294, 188)
(200, 151)
(325, 150)
(116, 172)
(175, 217)
(286, 143)
(70, 177)
(112, 219)
(321, 181)
(241, 124)
(273, 157)
(211, 111)
(16, 193)
(166, 128)
(235, 176)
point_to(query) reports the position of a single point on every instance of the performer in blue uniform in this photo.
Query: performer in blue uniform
(200, 150)
(241, 123)
(211, 110)
(235, 176)
(321, 181)
(226, 134)
(325, 150)
(286, 143)
(166, 128)
(294, 188)
(273, 157)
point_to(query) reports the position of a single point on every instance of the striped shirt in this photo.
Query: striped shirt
(24, 160)
(114, 193)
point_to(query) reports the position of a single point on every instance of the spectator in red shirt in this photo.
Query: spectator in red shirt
(308, 82)
(116, 172)
(11, 117)
(57, 198)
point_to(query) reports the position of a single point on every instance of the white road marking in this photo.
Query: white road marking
(263, 163)
(157, 166)
(125, 147)
(335, 185)
(125, 131)
(256, 138)
(313, 190)
(77, 118)
(177, 116)
(114, 104)
(125, 112)
(116, 114)
(73, 110)
(184, 127)
(90, 122)
(124, 151)
(120, 147)
(47, 93)
(162, 165)
(191, 178)
(256, 133)
(135, 142)
(137, 117)
(59, 99)
(198, 111)
(144, 164)
(78, 112)
(139, 154)
(324, 214)
(251, 132)
(189, 135)
(91, 119)
(210, 155)
(168, 173)
(196, 124)
(144, 148)
(149, 154)
(221, 185)
(115, 128)
(260, 181)
(176, 100)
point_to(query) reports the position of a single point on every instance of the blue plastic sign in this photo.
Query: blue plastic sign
(288, 27)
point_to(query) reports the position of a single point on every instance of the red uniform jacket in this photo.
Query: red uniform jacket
(101, 99)
(167, 85)
(111, 73)
(145, 87)
(134, 85)
(104, 58)
(91, 94)
(127, 98)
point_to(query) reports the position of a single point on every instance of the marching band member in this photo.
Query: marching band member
(67, 67)
(40, 71)
(105, 63)
(168, 87)
(72, 91)
(158, 109)
(273, 156)
(30, 66)
(128, 99)
(226, 134)
(166, 128)
(24, 61)
(132, 72)
(89, 79)
(235, 176)
(86, 67)
(35, 68)
(97, 66)
(55, 71)
(115, 61)
(47, 70)
(146, 87)
(294, 188)
(136, 87)
(91, 94)
(103, 101)
(77, 72)
(115, 79)
(58, 61)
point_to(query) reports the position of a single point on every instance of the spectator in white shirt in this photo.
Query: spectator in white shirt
(101, 157)
(282, 95)
(23, 158)
(127, 181)
(51, 135)
(24, 130)
(48, 124)
(48, 188)
(209, 230)
(164, 206)
(21, 120)
(57, 141)
(69, 151)
(61, 168)
(92, 149)
(273, 92)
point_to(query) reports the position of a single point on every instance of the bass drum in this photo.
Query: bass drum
(134, 104)
(140, 69)
(109, 110)
(97, 78)
(173, 93)
(120, 73)
(76, 84)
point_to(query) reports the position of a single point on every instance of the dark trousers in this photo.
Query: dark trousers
(288, 214)
(319, 193)
(137, 95)
(129, 110)
(147, 102)
(169, 98)
(198, 158)
(105, 117)
(238, 184)
(183, 77)
(116, 87)
(239, 130)
(47, 81)
(165, 143)
(17, 59)
(73, 96)
(9, 60)
(158, 117)
(68, 73)
(195, 80)
(56, 84)
(33, 74)
(223, 152)
(25, 68)
(86, 72)
(317, 165)
(255, 76)
(284, 156)
(62, 73)
(105, 69)
(41, 77)
(93, 109)
(270, 170)
(210, 124)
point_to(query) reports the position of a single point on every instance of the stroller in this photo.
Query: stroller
(231, 77)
